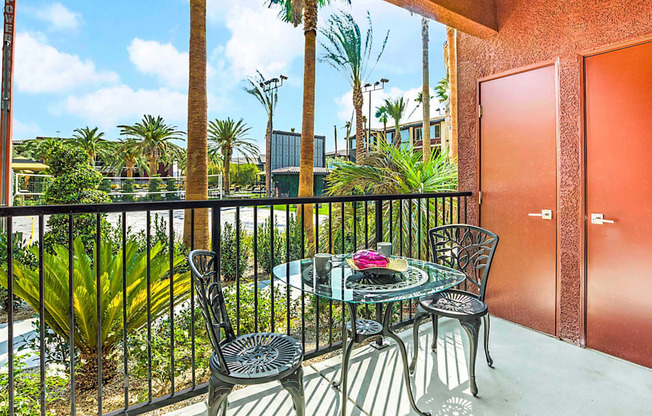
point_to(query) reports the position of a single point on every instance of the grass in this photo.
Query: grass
(323, 209)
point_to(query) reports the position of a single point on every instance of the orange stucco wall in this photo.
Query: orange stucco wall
(531, 32)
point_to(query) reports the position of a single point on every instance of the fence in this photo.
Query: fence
(29, 189)
(114, 302)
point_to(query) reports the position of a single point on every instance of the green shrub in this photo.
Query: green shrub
(64, 158)
(247, 307)
(27, 388)
(264, 248)
(229, 253)
(105, 185)
(171, 187)
(21, 253)
(73, 184)
(245, 174)
(155, 186)
(128, 189)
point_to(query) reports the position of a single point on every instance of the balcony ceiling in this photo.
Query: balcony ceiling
(475, 17)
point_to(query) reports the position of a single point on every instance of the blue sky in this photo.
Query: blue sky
(104, 63)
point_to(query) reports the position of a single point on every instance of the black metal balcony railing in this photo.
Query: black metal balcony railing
(158, 352)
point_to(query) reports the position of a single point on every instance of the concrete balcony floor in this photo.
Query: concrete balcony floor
(534, 374)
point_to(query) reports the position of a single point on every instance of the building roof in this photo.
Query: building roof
(338, 153)
(24, 164)
(292, 170)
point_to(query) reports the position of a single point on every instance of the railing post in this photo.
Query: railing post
(379, 220)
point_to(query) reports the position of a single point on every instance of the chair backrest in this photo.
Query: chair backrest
(211, 300)
(466, 248)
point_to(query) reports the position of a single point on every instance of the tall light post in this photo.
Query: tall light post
(268, 87)
(376, 86)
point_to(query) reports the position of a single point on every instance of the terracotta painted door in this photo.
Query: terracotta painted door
(518, 183)
(619, 187)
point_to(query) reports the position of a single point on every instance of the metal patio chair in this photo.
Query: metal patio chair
(247, 359)
(469, 249)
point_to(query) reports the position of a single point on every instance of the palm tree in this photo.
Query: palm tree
(155, 139)
(39, 149)
(383, 117)
(441, 90)
(268, 99)
(89, 140)
(227, 136)
(425, 95)
(396, 110)
(349, 52)
(127, 155)
(392, 170)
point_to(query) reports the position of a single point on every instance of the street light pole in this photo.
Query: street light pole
(268, 87)
(376, 86)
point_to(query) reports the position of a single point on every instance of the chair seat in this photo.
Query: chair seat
(260, 356)
(366, 327)
(454, 304)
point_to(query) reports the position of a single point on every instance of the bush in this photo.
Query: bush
(64, 158)
(75, 182)
(27, 388)
(247, 307)
(264, 255)
(21, 253)
(229, 254)
(171, 187)
(245, 174)
(155, 186)
(128, 189)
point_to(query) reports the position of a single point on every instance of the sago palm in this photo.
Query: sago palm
(155, 139)
(227, 136)
(86, 330)
(392, 170)
(350, 53)
(396, 110)
(89, 140)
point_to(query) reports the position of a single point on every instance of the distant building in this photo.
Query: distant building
(286, 150)
(411, 133)
(286, 159)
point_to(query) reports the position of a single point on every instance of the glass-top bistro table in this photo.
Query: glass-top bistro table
(343, 284)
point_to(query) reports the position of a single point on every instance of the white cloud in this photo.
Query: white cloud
(161, 60)
(345, 105)
(42, 68)
(121, 104)
(24, 130)
(57, 16)
(259, 39)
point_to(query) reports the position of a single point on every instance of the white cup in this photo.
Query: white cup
(384, 248)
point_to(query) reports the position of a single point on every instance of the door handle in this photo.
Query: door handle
(599, 219)
(546, 214)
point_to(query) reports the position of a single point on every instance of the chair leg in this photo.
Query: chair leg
(490, 362)
(415, 340)
(218, 391)
(294, 385)
(435, 332)
(472, 328)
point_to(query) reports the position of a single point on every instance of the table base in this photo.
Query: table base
(357, 337)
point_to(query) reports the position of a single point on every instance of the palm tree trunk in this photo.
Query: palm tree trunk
(153, 166)
(306, 169)
(268, 155)
(358, 101)
(130, 169)
(397, 133)
(227, 171)
(197, 154)
(425, 96)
